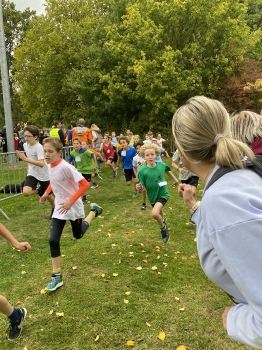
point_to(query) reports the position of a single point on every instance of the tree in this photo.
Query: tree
(16, 23)
(110, 60)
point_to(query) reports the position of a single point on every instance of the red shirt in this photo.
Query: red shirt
(108, 150)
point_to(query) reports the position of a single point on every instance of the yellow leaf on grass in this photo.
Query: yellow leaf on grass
(74, 267)
(113, 245)
(127, 293)
(139, 268)
(115, 274)
(181, 347)
(104, 253)
(63, 255)
(25, 348)
(161, 336)
(159, 273)
(103, 275)
(148, 324)
(182, 309)
(23, 272)
(59, 314)
(18, 302)
(145, 261)
(126, 301)
(56, 304)
(154, 268)
(22, 264)
(50, 312)
(130, 343)
(97, 337)
(42, 291)
(177, 299)
(184, 258)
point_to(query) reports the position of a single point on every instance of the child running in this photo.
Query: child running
(109, 153)
(97, 159)
(16, 316)
(151, 176)
(85, 162)
(125, 156)
(37, 168)
(68, 185)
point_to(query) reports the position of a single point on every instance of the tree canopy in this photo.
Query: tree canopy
(120, 61)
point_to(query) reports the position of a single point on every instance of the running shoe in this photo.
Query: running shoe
(94, 186)
(96, 208)
(15, 328)
(135, 195)
(144, 207)
(54, 284)
(164, 233)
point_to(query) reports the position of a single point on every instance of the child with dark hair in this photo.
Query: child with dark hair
(37, 168)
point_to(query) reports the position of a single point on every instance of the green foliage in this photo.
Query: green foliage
(16, 23)
(107, 61)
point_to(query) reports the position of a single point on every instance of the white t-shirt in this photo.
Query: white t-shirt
(160, 141)
(138, 162)
(64, 180)
(36, 152)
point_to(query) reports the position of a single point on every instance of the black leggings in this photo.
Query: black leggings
(79, 227)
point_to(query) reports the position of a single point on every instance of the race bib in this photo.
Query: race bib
(162, 183)
(78, 159)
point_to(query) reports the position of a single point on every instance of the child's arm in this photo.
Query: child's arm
(170, 174)
(46, 194)
(39, 162)
(11, 239)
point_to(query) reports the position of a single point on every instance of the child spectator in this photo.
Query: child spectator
(138, 162)
(16, 316)
(68, 185)
(148, 138)
(125, 156)
(151, 176)
(84, 161)
(37, 168)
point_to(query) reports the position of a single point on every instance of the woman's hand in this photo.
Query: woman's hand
(188, 193)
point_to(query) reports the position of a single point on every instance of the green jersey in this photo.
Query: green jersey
(84, 161)
(154, 181)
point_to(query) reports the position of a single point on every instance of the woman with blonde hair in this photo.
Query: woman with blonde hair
(246, 126)
(229, 217)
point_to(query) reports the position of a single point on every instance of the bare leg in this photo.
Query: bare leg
(28, 191)
(5, 307)
(157, 214)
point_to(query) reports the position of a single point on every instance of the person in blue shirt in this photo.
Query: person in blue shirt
(125, 157)
(229, 216)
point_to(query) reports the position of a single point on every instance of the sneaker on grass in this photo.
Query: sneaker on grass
(164, 233)
(96, 208)
(55, 282)
(15, 328)
(135, 195)
(95, 185)
(144, 207)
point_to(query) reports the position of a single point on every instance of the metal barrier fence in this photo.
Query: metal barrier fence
(12, 174)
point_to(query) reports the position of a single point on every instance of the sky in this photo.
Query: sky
(36, 5)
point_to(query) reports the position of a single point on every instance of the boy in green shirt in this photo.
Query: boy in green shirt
(85, 161)
(151, 176)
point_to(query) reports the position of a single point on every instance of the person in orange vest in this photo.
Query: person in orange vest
(82, 132)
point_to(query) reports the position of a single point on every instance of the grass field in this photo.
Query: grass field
(121, 282)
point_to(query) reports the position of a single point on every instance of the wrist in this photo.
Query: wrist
(195, 207)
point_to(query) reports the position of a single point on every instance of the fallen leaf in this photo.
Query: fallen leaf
(182, 309)
(113, 245)
(177, 299)
(139, 268)
(126, 301)
(63, 255)
(154, 268)
(97, 337)
(148, 324)
(161, 336)
(181, 347)
(23, 272)
(18, 302)
(104, 253)
(56, 304)
(115, 274)
(42, 291)
(103, 275)
(59, 314)
(127, 293)
(50, 312)
(25, 348)
(130, 343)
(159, 273)
(74, 267)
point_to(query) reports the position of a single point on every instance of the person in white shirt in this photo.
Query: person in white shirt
(37, 173)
